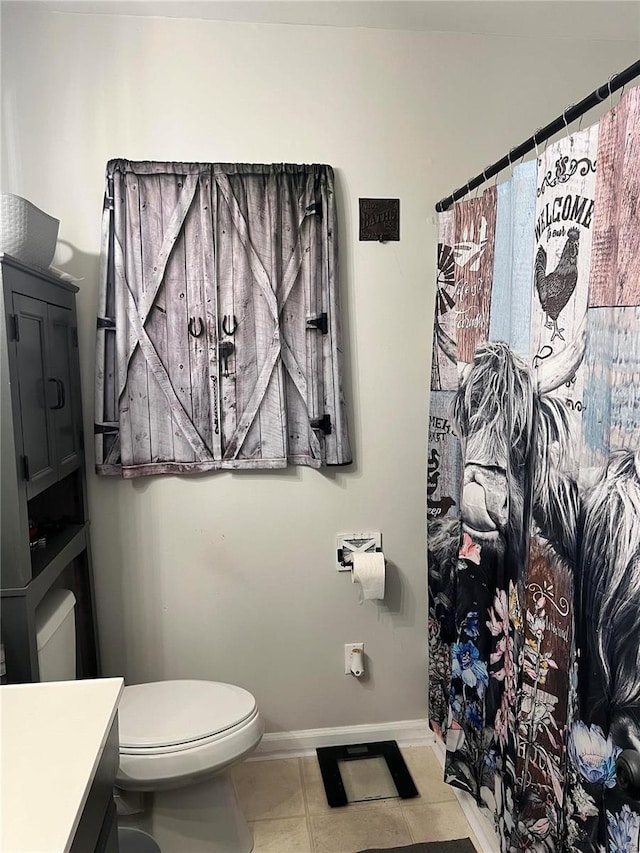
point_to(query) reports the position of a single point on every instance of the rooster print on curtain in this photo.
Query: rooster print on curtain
(556, 288)
(533, 493)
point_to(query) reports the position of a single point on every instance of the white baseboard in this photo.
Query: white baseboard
(481, 826)
(295, 744)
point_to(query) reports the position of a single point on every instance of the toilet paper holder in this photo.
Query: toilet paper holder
(348, 544)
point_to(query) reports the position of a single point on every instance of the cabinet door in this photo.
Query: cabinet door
(36, 395)
(63, 369)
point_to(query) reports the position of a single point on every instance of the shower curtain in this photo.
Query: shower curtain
(533, 492)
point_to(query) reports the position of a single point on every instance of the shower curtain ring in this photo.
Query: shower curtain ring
(611, 107)
(610, 92)
(564, 118)
(535, 142)
(511, 150)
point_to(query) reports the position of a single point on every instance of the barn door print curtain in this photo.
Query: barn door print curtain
(218, 341)
(533, 493)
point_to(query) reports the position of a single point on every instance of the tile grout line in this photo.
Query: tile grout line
(408, 826)
(312, 844)
(405, 806)
(274, 819)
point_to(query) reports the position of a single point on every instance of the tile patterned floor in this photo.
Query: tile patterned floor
(285, 804)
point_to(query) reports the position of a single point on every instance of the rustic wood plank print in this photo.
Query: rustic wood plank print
(156, 322)
(444, 371)
(615, 269)
(136, 441)
(475, 222)
(213, 271)
(176, 307)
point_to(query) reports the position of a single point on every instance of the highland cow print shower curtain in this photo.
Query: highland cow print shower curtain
(533, 493)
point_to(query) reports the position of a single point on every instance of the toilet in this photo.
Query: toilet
(178, 742)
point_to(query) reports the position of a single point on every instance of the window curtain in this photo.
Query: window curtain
(218, 342)
(533, 493)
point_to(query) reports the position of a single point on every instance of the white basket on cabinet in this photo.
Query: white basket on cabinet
(26, 232)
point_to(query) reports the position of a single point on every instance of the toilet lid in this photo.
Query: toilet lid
(166, 713)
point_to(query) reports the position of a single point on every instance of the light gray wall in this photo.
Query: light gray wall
(231, 576)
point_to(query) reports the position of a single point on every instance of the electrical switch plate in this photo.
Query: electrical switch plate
(349, 648)
(348, 543)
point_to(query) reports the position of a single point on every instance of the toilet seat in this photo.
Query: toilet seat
(174, 733)
(164, 715)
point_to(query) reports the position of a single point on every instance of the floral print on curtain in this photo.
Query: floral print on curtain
(533, 493)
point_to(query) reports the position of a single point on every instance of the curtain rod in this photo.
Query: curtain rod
(617, 81)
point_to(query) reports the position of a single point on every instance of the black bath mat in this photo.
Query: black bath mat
(460, 845)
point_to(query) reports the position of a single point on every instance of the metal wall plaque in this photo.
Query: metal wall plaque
(380, 219)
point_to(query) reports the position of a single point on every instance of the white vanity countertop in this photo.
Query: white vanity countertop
(52, 736)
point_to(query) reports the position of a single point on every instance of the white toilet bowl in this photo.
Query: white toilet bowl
(178, 740)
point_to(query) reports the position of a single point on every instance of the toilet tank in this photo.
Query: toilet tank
(56, 636)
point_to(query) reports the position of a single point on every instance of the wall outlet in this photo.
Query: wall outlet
(348, 649)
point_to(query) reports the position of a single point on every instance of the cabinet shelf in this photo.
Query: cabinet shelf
(43, 557)
(52, 560)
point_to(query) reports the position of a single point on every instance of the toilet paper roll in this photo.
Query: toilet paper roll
(369, 571)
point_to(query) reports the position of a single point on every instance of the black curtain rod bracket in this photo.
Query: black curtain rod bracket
(571, 113)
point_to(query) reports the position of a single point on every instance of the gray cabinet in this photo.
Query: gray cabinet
(64, 365)
(44, 538)
(45, 344)
(97, 829)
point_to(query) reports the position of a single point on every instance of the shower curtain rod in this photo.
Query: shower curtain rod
(573, 112)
